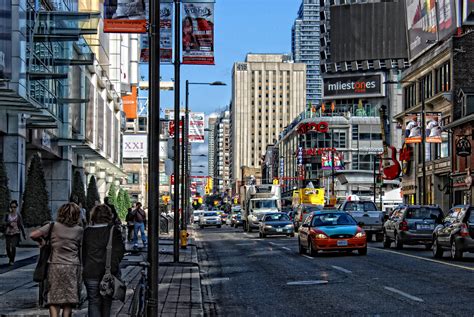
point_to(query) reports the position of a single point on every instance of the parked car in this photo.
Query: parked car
(331, 231)
(301, 212)
(455, 233)
(411, 224)
(196, 215)
(210, 218)
(366, 213)
(276, 224)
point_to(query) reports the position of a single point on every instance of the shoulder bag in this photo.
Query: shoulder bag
(41, 270)
(111, 285)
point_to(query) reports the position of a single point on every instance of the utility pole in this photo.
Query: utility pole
(423, 144)
(153, 157)
(333, 175)
(177, 82)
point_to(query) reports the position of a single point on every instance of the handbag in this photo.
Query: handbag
(41, 270)
(110, 285)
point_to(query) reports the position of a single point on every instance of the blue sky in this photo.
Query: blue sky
(241, 26)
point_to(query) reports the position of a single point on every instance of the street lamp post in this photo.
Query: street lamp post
(423, 135)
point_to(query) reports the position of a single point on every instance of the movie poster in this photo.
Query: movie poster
(433, 127)
(412, 128)
(198, 33)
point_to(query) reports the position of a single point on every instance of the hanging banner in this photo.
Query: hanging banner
(198, 33)
(166, 36)
(125, 16)
(412, 128)
(196, 127)
(433, 127)
(326, 161)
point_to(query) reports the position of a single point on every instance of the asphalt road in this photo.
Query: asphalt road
(243, 275)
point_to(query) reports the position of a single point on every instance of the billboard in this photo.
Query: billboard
(433, 127)
(198, 33)
(125, 16)
(447, 23)
(195, 128)
(421, 25)
(5, 39)
(412, 123)
(135, 146)
(353, 86)
(355, 28)
(326, 160)
(468, 12)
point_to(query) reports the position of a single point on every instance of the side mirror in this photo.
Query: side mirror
(360, 224)
(305, 225)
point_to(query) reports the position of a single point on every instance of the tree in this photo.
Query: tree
(92, 193)
(35, 209)
(120, 205)
(4, 191)
(78, 191)
(112, 194)
(128, 202)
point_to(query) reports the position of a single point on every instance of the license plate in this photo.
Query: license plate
(279, 230)
(341, 243)
(424, 227)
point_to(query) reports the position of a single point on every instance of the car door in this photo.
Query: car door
(304, 231)
(393, 222)
(448, 226)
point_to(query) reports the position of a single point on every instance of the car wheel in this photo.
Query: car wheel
(386, 241)
(456, 254)
(362, 251)
(311, 251)
(437, 251)
(398, 243)
(301, 250)
(369, 237)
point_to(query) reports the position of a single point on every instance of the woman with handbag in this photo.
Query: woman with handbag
(94, 258)
(63, 280)
(14, 226)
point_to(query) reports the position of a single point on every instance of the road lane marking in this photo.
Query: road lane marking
(244, 244)
(215, 280)
(288, 249)
(426, 259)
(340, 269)
(307, 256)
(315, 282)
(394, 290)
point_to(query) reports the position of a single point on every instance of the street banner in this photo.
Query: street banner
(5, 39)
(433, 127)
(166, 33)
(326, 160)
(412, 128)
(422, 26)
(129, 104)
(196, 127)
(198, 33)
(125, 16)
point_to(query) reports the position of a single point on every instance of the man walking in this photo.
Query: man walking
(139, 225)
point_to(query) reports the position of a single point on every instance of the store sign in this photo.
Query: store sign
(321, 127)
(463, 147)
(462, 181)
(135, 146)
(353, 86)
(314, 152)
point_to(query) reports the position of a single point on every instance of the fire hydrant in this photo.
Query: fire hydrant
(184, 239)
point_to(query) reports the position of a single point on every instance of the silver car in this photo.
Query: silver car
(209, 219)
(276, 224)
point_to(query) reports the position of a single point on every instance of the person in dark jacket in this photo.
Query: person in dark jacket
(139, 225)
(14, 226)
(130, 224)
(94, 246)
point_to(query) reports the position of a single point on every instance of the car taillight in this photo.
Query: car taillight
(403, 226)
(464, 230)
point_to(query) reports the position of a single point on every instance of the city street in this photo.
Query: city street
(247, 276)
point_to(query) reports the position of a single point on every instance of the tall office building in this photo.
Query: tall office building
(221, 171)
(305, 47)
(268, 92)
(212, 141)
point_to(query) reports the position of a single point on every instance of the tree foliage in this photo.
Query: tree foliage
(112, 194)
(92, 193)
(4, 191)
(35, 209)
(78, 190)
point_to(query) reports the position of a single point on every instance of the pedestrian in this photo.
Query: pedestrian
(83, 217)
(116, 219)
(139, 223)
(14, 226)
(63, 283)
(130, 224)
(94, 251)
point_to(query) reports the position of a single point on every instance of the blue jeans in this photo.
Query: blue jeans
(139, 226)
(99, 306)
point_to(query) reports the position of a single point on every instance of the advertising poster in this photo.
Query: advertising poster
(198, 33)
(433, 127)
(196, 127)
(135, 145)
(412, 128)
(125, 16)
(421, 24)
(326, 161)
(166, 36)
(5, 39)
(144, 48)
(353, 86)
(446, 18)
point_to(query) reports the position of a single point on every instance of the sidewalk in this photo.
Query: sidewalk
(179, 284)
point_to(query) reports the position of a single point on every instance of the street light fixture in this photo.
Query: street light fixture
(423, 133)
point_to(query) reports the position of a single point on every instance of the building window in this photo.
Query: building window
(443, 78)
(410, 96)
(426, 82)
(142, 124)
(133, 178)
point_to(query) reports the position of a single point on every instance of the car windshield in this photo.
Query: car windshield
(333, 219)
(311, 209)
(423, 213)
(277, 217)
(258, 204)
(210, 214)
(360, 206)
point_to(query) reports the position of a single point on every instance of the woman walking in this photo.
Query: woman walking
(94, 252)
(63, 282)
(14, 226)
